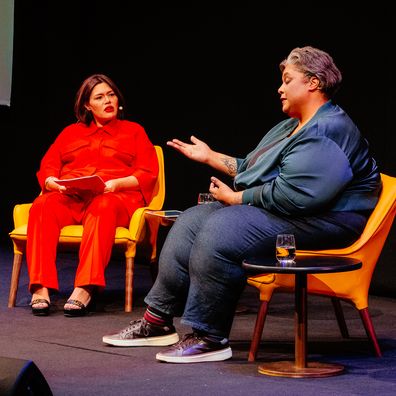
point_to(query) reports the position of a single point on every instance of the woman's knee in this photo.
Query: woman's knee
(50, 203)
(190, 222)
(108, 206)
(104, 202)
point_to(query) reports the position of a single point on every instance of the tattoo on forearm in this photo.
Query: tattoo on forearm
(230, 164)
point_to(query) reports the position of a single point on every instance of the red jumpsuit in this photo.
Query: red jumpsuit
(120, 149)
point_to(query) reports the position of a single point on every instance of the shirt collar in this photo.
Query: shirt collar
(111, 128)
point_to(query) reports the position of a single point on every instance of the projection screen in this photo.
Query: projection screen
(6, 45)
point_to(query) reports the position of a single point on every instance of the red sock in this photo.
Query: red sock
(154, 317)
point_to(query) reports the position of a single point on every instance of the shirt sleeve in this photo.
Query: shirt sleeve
(50, 164)
(146, 166)
(312, 173)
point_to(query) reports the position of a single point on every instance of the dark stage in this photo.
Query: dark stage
(209, 71)
(72, 358)
(193, 69)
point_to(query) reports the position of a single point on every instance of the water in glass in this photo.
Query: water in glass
(285, 248)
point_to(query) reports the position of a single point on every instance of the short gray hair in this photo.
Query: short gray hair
(315, 62)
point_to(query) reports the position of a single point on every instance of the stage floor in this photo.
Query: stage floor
(74, 361)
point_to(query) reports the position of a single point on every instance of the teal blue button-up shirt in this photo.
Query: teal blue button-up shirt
(325, 166)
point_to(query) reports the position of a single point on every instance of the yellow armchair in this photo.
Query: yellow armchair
(137, 235)
(352, 287)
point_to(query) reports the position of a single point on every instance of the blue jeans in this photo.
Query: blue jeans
(200, 275)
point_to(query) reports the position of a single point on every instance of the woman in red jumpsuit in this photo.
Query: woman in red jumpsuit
(99, 143)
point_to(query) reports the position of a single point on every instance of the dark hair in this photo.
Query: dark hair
(315, 62)
(84, 93)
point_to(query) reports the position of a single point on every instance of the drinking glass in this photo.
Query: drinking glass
(204, 198)
(285, 249)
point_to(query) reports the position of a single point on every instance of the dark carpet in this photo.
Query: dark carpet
(74, 361)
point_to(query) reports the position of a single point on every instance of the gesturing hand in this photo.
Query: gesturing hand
(198, 151)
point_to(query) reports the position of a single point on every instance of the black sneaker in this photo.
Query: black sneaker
(194, 348)
(142, 333)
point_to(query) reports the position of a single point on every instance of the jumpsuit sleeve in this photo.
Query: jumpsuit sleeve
(50, 164)
(146, 166)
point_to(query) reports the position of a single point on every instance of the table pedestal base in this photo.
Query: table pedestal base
(289, 369)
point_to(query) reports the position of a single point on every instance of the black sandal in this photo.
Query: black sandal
(74, 312)
(43, 311)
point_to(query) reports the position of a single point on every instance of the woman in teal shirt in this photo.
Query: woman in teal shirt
(325, 166)
(311, 175)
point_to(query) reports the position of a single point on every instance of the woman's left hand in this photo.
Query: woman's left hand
(223, 193)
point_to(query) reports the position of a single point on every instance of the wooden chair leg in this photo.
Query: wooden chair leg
(129, 269)
(258, 331)
(16, 270)
(340, 317)
(368, 326)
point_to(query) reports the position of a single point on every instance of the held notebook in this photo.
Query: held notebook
(82, 185)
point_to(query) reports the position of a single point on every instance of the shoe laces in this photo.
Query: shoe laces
(138, 327)
(187, 340)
